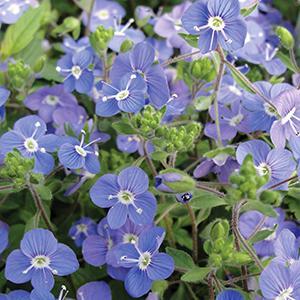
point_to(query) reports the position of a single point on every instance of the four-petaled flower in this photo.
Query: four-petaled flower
(39, 258)
(217, 22)
(126, 195)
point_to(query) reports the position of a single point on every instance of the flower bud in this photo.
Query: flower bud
(126, 46)
(174, 181)
(184, 197)
(100, 38)
(286, 38)
(39, 64)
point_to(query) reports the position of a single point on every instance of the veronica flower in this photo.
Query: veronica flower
(278, 281)
(127, 94)
(126, 195)
(103, 13)
(37, 294)
(4, 95)
(11, 10)
(254, 221)
(262, 115)
(76, 154)
(139, 61)
(286, 248)
(230, 92)
(96, 246)
(71, 46)
(184, 197)
(81, 229)
(277, 163)
(76, 73)
(47, 99)
(4, 229)
(123, 33)
(128, 143)
(216, 22)
(230, 295)
(38, 259)
(288, 125)
(16, 295)
(90, 289)
(28, 136)
(145, 262)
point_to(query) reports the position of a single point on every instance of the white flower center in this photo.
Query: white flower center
(125, 197)
(130, 238)
(269, 110)
(51, 100)
(40, 262)
(76, 72)
(263, 169)
(80, 151)
(235, 90)
(236, 120)
(291, 118)
(122, 95)
(216, 23)
(14, 9)
(31, 145)
(82, 228)
(144, 260)
(286, 294)
(102, 14)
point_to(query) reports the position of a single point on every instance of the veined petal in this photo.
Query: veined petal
(69, 157)
(107, 108)
(225, 9)
(117, 215)
(161, 266)
(11, 140)
(90, 289)
(134, 103)
(82, 59)
(285, 246)
(85, 82)
(31, 126)
(92, 163)
(42, 279)
(43, 163)
(142, 56)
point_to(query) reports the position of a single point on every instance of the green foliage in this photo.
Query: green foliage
(100, 38)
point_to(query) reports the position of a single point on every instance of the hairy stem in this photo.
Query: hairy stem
(209, 189)
(282, 182)
(194, 231)
(39, 205)
(179, 58)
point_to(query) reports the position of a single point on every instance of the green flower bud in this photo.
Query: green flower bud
(215, 260)
(286, 38)
(71, 23)
(39, 64)
(240, 258)
(174, 181)
(126, 46)
(100, 38)
(219, 230)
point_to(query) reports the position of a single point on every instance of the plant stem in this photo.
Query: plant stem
(211, 287)
(293, 59)
(194, 232)
(216, 94)
(39, 205)
(87, 28)
(6, 187)
(193, 295)
(149, 160)
(240, 278)
(179, 58)
(208, 189)
(240, 238)
(282, 182)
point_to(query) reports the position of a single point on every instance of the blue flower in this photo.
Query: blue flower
(125, 94)
(146, 264)
(39, 258)
(16, 295)
(277, 163)
(216, 22)
(277, 281)
(4, 229)
(126, 195)
(28, 136)
(76, 155)
(76, 73)
(230, 295)
(81, 229)
(140, 62)
(90, 289)
(4, 95)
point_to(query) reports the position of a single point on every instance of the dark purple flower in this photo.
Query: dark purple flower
(277, 163)
(126, 94)
(126, 195)
(38, 259)
(146, 264)
(28, 136)
(81, 229)
(76, 73)
(216, 22)
(139, 61)
(89, 290)
(47, 99)
(184, 197)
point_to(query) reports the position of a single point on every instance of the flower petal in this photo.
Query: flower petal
(82, 59)
(90, 289)
(43, 163)
(42, 279)
(69, 157)
(225, 9)
(161, 266)
(11, 140)
(40, 295)
(117, 215)
(133, 179)
(85, 82)
(105, 186)
(142, 56)
(134, 103)
(137, 283)
(107, 108)
(92, 163)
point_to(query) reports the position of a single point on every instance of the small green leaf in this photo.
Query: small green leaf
(247, 11)
(287, 61)
(159, 287)
(44, 192)
(20, 34)
(261, 235)
(203, 200)
(265, 209)
(182, 259)
(196, 275)
(124, 127)
(159, 155)
(190, 39)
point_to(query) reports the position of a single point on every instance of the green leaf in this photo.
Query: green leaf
(287, 61)
(19, 35)
(261, 235)
(202, 103)
(159, 155)
(124, 127)
(44, 192)
(182, 259)
(190, 39)
(204, 200)
(247, 11)
(265, 209)
(159, 287)
(196, 275)
(229, 150)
